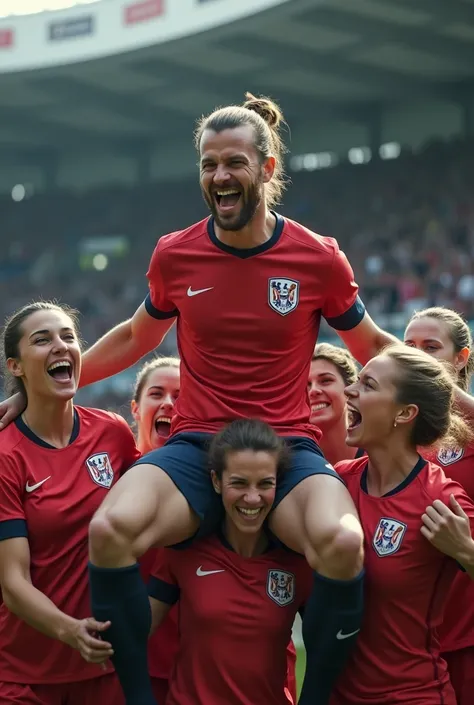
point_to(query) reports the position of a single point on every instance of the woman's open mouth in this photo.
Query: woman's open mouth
(354, 418)
(163, 426)
(61, 371)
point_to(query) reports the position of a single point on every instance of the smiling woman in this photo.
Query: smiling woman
(443, 333)
(223, 581)
(58, 461)
(27, 357)
(156, 391)
(403, 399)
(154, 397)
(332, 369)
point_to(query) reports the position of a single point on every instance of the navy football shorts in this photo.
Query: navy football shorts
(184, 459)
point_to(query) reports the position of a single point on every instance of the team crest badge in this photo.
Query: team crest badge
(388, 536)
(283, 295)
(100, 469)
(281, 587)
(448, 456)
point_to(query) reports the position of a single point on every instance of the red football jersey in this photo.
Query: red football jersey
(49, 495)
(397, 657)
(248, 321)
(235, 620)
(457, 629)
(163, 644)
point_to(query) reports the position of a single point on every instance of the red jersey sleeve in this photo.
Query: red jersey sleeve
(156, 303)
(129, 450)
(12, 513)
(451, 487)
(343, 467)
(342, 309)
(163, 583)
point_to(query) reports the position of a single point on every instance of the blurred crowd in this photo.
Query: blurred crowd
(407, 226)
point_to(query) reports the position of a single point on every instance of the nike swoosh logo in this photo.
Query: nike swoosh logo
(340, 635)
(32, 488)
(198, 291)
(202, 572)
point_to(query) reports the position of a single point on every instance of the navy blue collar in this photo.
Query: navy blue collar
(26, 431)
(252, 251)
(409, 478)
(221, 536)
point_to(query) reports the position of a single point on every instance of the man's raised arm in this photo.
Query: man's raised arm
(123, 346)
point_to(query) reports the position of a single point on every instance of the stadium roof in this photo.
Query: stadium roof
(319, 58)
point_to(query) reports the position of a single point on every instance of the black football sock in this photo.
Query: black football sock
(119, 595)
(331, 622)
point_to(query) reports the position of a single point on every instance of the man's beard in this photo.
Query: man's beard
(249, 204)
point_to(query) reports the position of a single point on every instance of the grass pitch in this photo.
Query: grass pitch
(300, 666)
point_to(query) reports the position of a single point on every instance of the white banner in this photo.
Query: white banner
(110, 27)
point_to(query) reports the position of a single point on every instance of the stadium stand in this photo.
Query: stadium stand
(75, 227)
(408, 233)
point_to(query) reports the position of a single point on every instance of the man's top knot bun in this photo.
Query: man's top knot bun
(266, 108)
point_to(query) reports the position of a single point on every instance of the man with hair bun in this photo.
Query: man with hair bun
(248, 288)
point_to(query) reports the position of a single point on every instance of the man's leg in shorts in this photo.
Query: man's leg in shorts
(146, 507)
(317, 517)
(461, 673)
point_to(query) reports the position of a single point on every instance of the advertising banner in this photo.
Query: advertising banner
(69, 29)
(143, 11)
(6, 38)
(82, 33)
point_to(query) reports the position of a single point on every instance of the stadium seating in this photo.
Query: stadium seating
(407, 226)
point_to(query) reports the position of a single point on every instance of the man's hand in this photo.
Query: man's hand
(11, 408)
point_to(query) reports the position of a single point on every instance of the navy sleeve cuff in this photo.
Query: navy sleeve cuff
(13, 529)
(164, 592)
(156, 313)
(350, 319)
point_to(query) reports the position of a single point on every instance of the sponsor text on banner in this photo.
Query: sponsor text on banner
(69, 29)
